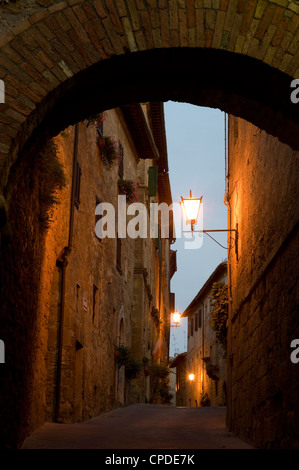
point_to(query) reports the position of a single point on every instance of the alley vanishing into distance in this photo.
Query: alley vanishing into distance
(142, 427)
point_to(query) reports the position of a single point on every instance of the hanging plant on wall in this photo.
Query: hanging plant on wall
(156, 317)
(96, 120)
(129, 188)
(109, 150)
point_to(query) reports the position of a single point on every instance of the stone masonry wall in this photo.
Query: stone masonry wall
(96, 290)
(263, 196)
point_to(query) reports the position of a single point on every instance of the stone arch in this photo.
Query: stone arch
(213, 53)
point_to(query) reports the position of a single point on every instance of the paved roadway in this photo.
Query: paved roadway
(141, 426)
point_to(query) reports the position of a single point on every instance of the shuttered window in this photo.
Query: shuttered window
(196, 321)
(152, 181)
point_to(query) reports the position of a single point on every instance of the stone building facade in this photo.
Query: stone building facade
(206, 357)
(102, 294)
(178, 366)
(262, 199)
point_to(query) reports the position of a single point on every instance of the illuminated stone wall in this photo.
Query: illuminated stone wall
(263, 201)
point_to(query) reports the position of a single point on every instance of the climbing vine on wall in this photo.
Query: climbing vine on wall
(160, 384)
(50, 178)
(219, 313)
(124, 358)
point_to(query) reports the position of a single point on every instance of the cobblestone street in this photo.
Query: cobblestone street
(142, 427)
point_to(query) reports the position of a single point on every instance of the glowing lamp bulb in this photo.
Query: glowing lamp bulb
(176, 317)
(191, 376)
(191, 208)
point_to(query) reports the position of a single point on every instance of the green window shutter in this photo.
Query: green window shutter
(152, 181)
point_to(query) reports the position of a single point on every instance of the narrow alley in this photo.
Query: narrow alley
(149, 164)
(142, 426)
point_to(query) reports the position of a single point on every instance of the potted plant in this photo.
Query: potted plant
(96, 120)
(129, 188)
(109, 150)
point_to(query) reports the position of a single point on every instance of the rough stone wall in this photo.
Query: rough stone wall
(150, 338)
(23, 322)
(263, 197)
(91, 324)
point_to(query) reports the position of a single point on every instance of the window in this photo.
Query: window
(152, 181)
(200, 318)
(77, 183)
(191, 326)
(120, 160)
(118, 253)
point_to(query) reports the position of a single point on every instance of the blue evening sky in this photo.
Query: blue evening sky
(196, 156)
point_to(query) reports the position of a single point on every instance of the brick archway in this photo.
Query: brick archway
(238, 56)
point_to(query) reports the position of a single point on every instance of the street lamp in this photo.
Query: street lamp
(191, 377)
(191, 207)
(176, 316)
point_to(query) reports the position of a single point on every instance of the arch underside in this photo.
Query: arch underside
(236, 84)
(62, 61)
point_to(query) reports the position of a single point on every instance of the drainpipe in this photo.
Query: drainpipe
(229, 325)
(62, 263)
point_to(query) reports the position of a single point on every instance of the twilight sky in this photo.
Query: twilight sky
(195, 141)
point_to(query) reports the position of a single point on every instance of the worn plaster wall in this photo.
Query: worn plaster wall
(263, 201)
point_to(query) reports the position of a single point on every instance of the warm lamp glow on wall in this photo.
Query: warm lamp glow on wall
(191, 208)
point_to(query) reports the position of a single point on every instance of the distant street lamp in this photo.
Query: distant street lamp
(191, 207)
(191, 377)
